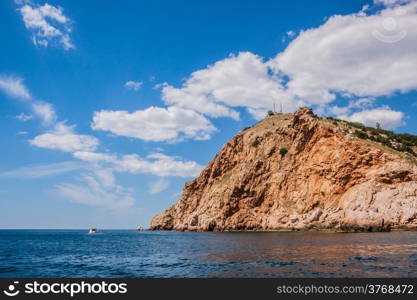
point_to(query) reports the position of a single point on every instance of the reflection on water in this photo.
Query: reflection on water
(320, 255)
(124, 253)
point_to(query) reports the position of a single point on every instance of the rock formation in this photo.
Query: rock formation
(300, 172)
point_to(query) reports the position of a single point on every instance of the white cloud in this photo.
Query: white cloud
(97, 188)
(65, 142)
(158, 186)
(22, 132)
(24, 117)
(172, 124)
(155, 164)
(63, 138)
(291, 33)
(351, 56)
(386, 117)
(14, 87)
(358, 54)
(45, 111)
(66, 42)
(43, 170)
(237, 81)
(48, 24)
(133, 85)
(158, 164)
(362, 103)
(392, 2)
(94, 156)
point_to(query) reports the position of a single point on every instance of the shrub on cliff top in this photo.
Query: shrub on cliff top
(361, 134)
(283, 151)
(358, 125)
(255, 143)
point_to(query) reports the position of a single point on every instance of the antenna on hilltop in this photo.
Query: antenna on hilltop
(280, 111)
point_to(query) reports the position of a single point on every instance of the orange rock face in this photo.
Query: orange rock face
(298, 172)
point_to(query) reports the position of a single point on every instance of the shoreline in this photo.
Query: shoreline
(324, 230)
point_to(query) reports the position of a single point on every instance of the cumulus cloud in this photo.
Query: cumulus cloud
(48, 24)
(154, 164)
(170, 124)
(97, 188)
(63, 138)
(158, 186)
(158, 164)
(14, 87)
(243, 80)
(356, 54)
(133, 85)
(361, 103)
(386, 117)
(65, 142)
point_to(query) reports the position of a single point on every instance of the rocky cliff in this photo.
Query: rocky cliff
(301, 172)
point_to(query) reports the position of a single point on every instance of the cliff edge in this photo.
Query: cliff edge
(300, 172)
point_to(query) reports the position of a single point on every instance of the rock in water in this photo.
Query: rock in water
(300, 172)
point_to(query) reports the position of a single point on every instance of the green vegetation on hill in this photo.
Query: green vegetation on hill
(283, 151)
(403, 142)
(256, 143)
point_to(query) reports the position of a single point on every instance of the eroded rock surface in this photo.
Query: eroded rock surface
(327, 179)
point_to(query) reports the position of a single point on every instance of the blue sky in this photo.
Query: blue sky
(108, 109)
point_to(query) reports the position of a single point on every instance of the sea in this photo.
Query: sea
(153, 254)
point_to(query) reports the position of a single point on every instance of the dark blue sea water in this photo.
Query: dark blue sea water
(128, 253)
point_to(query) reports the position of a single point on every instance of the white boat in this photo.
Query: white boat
(93, 230)
(140, 228)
